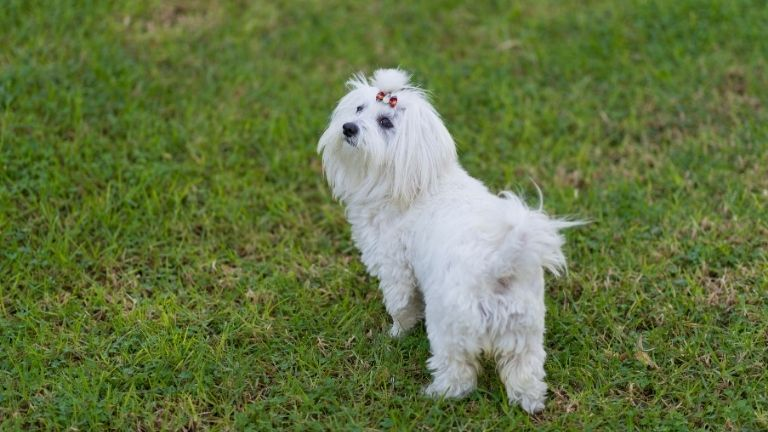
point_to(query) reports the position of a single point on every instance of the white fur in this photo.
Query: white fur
(443, 247)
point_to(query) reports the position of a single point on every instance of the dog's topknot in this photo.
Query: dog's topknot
(390, 80)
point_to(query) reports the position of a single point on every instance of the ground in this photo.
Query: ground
(172, 258)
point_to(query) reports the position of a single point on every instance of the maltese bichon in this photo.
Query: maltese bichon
(443, 247)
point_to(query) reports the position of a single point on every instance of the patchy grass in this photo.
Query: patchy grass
(172, 258)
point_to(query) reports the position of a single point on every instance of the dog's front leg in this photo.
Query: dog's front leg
(401, 298)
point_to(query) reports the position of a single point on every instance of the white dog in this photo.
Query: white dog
(443, 247)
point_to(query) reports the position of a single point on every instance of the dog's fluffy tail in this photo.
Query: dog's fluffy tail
(533, 240)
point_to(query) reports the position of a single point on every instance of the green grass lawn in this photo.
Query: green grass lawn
(172, 258)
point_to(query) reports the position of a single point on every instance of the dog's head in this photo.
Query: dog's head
(384, 138)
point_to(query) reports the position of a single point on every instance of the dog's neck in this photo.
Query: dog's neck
(375, 192)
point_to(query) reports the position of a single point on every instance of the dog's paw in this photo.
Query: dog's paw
(396, 331)
(531, 397)
(456, 391)
(532, 406)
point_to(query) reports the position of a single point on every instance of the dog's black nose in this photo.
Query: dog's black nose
(350, 129)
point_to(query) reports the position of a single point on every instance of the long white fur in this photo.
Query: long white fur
(443, 247)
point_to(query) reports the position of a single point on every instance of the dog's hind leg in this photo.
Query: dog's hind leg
(454, 373)
(520, 362)
(455, 351)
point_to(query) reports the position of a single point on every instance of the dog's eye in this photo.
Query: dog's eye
(360, 108)
(385, 123)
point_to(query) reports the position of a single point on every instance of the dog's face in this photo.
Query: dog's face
(384, 136)
(364, 120)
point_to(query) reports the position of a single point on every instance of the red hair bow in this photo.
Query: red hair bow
(392, 101)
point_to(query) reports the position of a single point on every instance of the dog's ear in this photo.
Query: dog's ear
(422, 150)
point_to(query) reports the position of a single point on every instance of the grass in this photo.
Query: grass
(172, 258)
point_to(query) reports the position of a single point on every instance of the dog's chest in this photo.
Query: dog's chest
(378, 232)
(376, 224)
